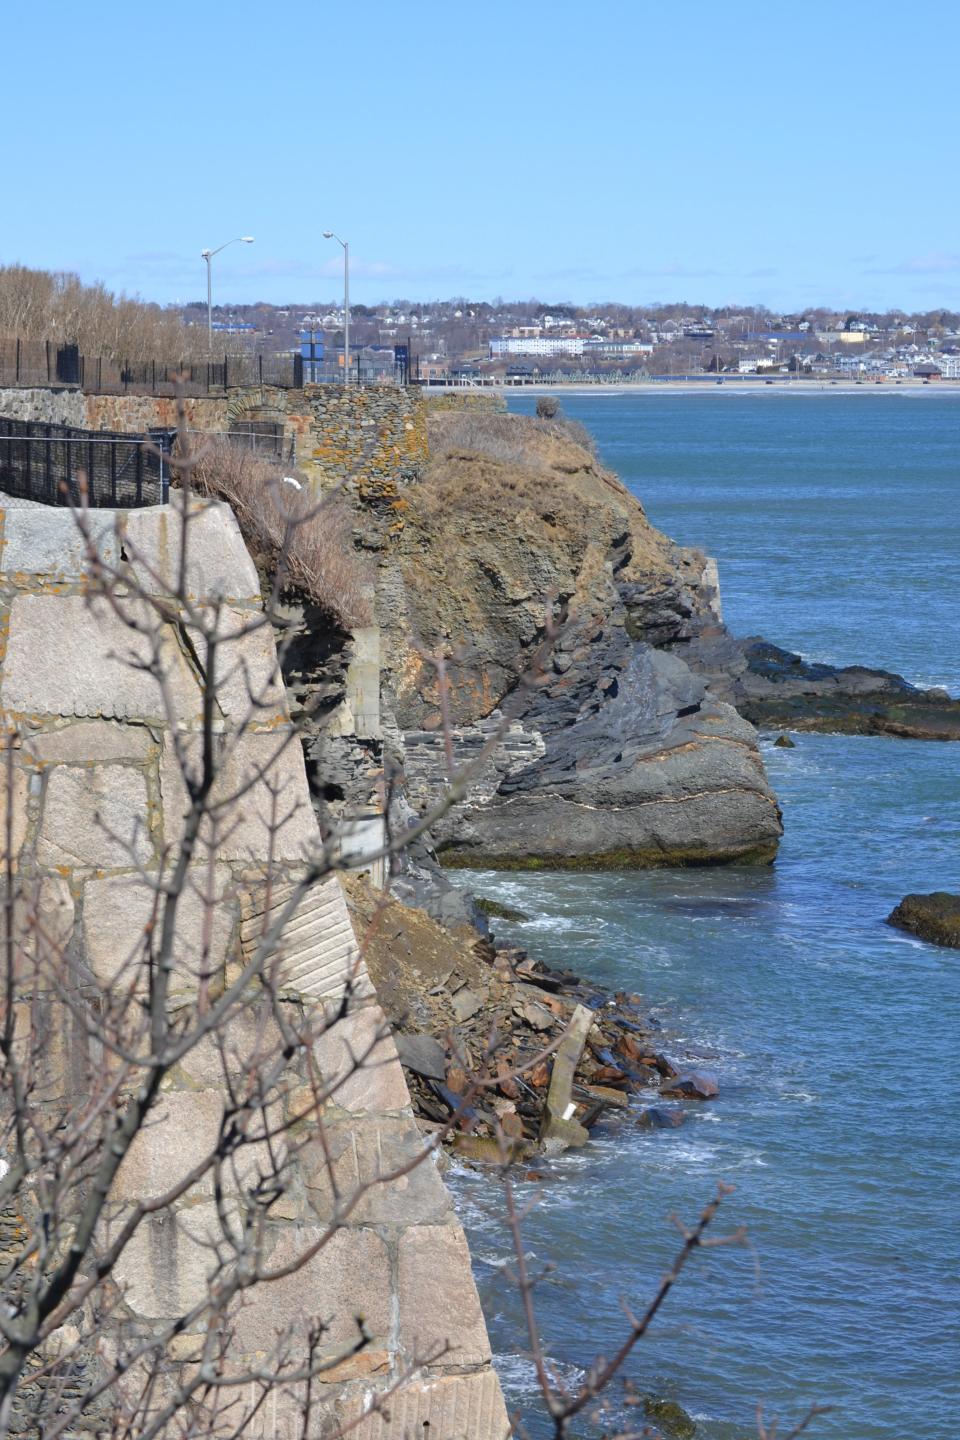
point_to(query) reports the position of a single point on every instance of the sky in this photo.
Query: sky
(781, 154)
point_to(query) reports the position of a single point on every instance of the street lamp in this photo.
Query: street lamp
(208, 256)
(331, 235)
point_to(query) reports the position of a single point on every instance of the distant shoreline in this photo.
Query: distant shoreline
(729, 386)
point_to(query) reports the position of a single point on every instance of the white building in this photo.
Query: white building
(536, 345)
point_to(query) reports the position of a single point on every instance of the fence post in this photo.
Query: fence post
(260, 368)
(17, 372)
(47, 343)
(225, 371)
(99, 373)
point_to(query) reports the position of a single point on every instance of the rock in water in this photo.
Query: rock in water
(695, 1085)
(496, 910)
(933, 917)
(777, 689)
(660, 1117)
(783, 742)
(670, 1417)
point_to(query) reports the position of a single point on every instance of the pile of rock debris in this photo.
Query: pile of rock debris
(552, 1053)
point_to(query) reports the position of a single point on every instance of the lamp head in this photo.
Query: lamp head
(247, 239)
(328, 234)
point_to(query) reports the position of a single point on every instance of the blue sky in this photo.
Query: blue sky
(745, 152)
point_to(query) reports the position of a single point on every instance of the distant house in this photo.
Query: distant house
(928, 371)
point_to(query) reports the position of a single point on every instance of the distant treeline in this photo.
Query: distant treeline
(57, 306)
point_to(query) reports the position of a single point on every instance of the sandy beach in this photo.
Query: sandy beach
(729, 386)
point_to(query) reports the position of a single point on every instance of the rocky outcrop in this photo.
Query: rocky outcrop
(776, 689)
(591, 746)
(933, 917)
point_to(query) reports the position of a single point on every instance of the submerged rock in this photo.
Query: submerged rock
(934, 917)
(496, 910)
(660, 1117)
(670, 1417)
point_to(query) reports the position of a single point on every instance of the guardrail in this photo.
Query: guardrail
(52, 463)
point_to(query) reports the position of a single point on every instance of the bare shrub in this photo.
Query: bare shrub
(548, 407)
(286, 527)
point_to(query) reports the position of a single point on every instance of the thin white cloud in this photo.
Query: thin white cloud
(937, 262)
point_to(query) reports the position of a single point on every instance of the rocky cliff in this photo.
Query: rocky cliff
(613, 752)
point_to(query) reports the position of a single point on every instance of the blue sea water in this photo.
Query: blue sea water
(836, 522)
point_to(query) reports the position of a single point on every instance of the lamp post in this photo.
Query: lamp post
(331, 235)
(208, 256)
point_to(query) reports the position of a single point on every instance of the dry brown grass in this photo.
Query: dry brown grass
(311, 543)
(511, 439)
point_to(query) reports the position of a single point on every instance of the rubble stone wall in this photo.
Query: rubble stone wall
(374, 436)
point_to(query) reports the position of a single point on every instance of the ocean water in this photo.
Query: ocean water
(836, 522)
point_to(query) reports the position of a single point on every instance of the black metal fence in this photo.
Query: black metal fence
(42, 363)
(48, 463)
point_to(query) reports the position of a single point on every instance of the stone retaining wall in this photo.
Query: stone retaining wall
(97, 799)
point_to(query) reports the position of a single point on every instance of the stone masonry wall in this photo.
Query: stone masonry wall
(96, 798)
(373, 437)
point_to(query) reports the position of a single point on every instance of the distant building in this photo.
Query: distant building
(616, 349)
(536, 345)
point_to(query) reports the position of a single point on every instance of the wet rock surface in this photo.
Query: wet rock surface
(670, 1417)
(934, 917)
